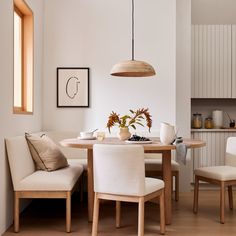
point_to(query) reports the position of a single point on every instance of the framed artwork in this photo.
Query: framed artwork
(72, 87)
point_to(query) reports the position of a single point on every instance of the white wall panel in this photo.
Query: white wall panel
(211, 61)
(233, 61)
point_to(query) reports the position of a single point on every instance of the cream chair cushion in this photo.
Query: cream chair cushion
(59, 180)
(152, 185)
(222, 173)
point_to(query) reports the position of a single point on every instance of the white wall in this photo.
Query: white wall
(183, 81)
(213, 12)
(15, 124)
(97, 34)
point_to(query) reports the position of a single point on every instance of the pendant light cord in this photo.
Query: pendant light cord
(132, 30)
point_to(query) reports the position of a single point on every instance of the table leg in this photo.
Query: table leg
(90, 185)
(166, 168)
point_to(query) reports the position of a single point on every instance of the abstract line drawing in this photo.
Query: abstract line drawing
(72, 87)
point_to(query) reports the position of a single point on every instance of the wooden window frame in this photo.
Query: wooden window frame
(25, 13)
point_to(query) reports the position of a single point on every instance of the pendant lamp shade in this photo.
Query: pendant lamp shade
(132, 68)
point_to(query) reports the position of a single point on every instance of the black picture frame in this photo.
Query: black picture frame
(72, 87)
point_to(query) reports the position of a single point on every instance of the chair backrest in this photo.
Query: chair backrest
(119, 169)
(230, 156)
(20, 160)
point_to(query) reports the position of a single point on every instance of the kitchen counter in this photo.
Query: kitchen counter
(214, 130)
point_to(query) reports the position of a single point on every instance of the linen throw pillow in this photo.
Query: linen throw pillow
(45, 153)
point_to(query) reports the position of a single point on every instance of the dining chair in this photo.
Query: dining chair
(119, 175)
(225, 176)
(153, 168)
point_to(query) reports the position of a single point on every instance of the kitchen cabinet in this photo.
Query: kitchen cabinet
(213, 153)
(213, 61)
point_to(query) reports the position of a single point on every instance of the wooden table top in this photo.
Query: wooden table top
(155, 145)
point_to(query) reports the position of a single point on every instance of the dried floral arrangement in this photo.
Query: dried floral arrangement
(136, 118)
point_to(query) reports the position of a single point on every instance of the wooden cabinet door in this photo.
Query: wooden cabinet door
(211, 61)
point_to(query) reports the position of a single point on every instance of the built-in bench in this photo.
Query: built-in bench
(31, 183)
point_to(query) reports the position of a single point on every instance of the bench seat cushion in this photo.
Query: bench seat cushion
(59, 180)
(81, 161)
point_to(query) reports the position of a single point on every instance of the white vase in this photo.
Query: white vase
(124, 134)
(167, 133)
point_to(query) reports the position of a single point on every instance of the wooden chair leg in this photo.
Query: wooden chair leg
(222, 202)
(196, 189)
(141, 216)
(177, 186)
(95, 215)
(172, 186)
(16, 212)
(82, 187)
(230, 193)
(162, 213)
(68, 211)
(117, 214)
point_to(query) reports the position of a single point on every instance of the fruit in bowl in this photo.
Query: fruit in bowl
(138, 138)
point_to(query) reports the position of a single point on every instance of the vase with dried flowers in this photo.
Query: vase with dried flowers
(124, 122)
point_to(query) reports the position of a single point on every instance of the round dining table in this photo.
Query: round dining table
(155, 147)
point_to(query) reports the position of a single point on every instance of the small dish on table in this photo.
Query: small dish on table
(136, 139)
(139, 142)
(86, 138)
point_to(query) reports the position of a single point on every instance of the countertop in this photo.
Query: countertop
(214, 130)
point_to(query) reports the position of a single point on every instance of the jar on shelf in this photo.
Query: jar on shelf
(197, 121)
(209, 123)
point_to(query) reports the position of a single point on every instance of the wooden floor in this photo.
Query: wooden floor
(47, 217)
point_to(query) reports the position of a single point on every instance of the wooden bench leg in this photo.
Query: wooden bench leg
(16, 212)
(117, 214)
(230, 193)
(68, 211)
(81, 184)
(222, 202)
(196, 189)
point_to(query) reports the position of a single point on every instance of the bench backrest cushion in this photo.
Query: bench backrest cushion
(20, 160)
(45, 152)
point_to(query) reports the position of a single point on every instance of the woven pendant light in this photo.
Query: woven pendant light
(132, 68)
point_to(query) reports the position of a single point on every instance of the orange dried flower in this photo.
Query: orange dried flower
(136, 118)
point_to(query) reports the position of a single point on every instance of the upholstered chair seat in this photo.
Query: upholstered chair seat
(222, 173)
(153, 168)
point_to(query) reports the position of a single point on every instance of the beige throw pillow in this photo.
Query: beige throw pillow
(45, 153)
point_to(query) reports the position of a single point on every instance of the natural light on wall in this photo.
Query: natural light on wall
(17, 60)
(23, 58)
